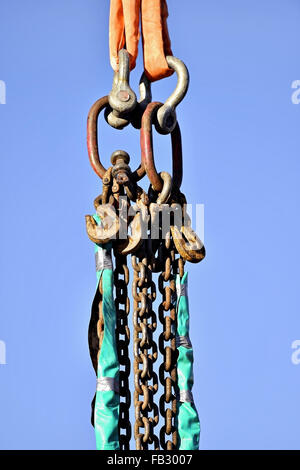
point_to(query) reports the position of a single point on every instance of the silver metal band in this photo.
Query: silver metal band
(183, 341)
(181, 290)
(185, 396)
(103, 259)
(106, 384)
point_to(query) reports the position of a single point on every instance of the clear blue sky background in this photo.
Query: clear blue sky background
(241, 159)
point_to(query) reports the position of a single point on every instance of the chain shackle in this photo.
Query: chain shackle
(124, 107)
(122, 98)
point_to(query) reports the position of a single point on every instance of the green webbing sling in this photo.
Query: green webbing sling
(187, 419)
(106, 413)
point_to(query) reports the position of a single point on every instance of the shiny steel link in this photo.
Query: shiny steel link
(121, 279)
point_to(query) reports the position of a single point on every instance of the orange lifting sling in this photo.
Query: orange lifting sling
(124, 32)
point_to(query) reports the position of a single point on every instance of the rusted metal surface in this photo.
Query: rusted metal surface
(145, 353)
(147, 153)
(186, 241)
(100, 233)
(188, 244)
(93, 144)
(134, 241)
(92, 135)
(120, 170)
(167, 346)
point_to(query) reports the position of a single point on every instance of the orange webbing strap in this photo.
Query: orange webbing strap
(124, 28)
(156, 40)
(124, 31)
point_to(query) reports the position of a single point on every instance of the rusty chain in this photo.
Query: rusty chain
(165, 256)
(122, 304)
(145, 351)
(167, 345)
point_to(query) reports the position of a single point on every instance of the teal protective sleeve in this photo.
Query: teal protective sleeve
(187, 419)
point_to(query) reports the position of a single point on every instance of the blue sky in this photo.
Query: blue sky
(241, 160)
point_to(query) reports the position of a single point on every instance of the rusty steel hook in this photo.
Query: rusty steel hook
(103, 233)
(134, 241)
(92, 140)
(138, 225)
(147, 155)
(188, 244)
(186, 240)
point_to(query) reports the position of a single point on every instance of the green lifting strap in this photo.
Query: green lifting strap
(187, 419)
(106, 413)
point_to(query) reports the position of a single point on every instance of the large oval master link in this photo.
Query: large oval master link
(121, 279)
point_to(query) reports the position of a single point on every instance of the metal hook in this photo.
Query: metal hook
(109, 227)
(134, 241)
(187, 243)
(138, 226)
(166, 116)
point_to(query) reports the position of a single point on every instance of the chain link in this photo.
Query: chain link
(167, 342)
(122, 303)
(145, 351)
(150, 256)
